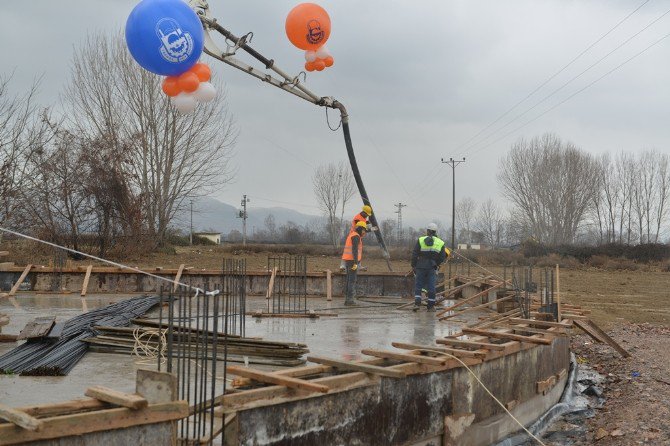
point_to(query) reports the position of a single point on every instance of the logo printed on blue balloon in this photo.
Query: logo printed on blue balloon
(177, 44)
(164, 36)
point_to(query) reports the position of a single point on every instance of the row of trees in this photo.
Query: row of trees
(117, 164)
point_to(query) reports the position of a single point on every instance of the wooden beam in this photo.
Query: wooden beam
(18, 283)
(64, 408)
(357, 367)
(20, 418)
(329, 285)
(474, 344)
(497, 334)
(419, 359)
(271, 283)
(102, 420)
(548, 324)
(530, 330)
(468, 300)
(593, 330)
(451, 351)
(178, 277)
(477, 307)
(129, 400)
(87, 277)
(273, 378)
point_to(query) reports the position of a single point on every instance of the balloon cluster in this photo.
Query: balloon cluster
(166, 38)
(308, 28)
(189, 88)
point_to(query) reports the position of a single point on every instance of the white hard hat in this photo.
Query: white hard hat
(432, 227)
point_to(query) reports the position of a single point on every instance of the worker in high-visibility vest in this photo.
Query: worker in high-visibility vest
(352, 255)
(429, 253)
(362, 216)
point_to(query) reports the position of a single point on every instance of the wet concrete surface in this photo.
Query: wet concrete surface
(371, 324)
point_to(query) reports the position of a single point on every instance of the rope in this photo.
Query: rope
(496, 399)
(328, 122)
(144, 345)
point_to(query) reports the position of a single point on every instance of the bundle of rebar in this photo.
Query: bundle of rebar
(48, 358)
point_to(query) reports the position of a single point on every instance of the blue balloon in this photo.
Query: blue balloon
(164, 36)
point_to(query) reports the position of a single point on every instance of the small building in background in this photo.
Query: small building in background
(214, 237)
(477, 246)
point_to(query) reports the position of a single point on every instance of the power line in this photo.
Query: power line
(529, 95)
(574, 94)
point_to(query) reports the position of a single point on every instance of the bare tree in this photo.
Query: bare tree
(271, 227)
(333, 187)
(551, 183)
(23, 132)
(465, 214)
(172, 158)
(490, 223)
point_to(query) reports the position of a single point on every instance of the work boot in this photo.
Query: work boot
(417, 305)
(431, 305)
(350, 303)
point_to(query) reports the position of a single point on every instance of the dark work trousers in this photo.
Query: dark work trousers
(425, 279)
(351, 282)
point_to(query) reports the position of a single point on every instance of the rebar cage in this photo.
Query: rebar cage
(198, 322)
(288, 292)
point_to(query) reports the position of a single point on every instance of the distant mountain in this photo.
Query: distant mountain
(212, 214)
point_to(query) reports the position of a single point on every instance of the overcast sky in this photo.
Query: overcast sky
(420, 79)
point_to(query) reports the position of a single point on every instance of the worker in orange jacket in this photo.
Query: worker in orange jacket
(352, 255)
(362, 216)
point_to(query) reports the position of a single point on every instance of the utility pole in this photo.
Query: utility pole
(243, 215)
(399, 228)
(190, 238)
(453, 163)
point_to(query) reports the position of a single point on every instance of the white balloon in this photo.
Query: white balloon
(205, 92)
(322, 53)
(185, 103)
(310, 56)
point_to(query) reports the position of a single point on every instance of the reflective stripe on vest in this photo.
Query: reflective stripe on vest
(348, 253)
(438, 244)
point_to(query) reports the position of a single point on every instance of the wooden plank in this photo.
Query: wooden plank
(20, 418)
(520, 328)
(4, 253)
(474, 344)
(357, 367)
(18, 283)
(178, 278)
(272, 378)
(129, 400)
(451, 351)
(533, 322)
(64, 408)
(87, 422)
(477, 307)
(271, 283)
(468, 300)
(329, 285)
(405, 357)
(87, 277)
(37, 328)
(497, 334)
(7, 337)
(604, 337)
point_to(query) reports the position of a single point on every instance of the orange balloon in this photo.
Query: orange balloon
(309, 66)
(171, 86)
(329, 61)
(308, 26)
(202, 71)
(319, 65)
(188, 82)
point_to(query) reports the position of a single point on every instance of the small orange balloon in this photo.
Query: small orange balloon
(309, 66)
(202, 71)
(188, 82)
(171, 86)
(308, 26)
(319, 65)
(329, 61)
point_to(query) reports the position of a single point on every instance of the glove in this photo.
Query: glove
(354, 267)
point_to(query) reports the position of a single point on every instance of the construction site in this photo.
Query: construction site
(544, 322)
